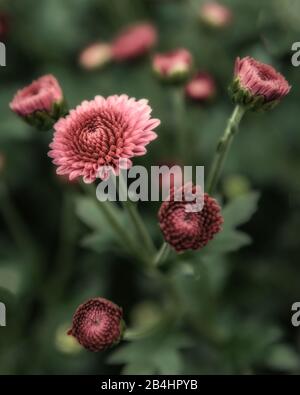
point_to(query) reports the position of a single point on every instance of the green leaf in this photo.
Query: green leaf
(227, 241)
(160, 354)
(283, 357)
(89, 213)
(240, 210)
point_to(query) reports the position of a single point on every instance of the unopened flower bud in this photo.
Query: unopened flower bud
(41, 103)
(97, 324)
(256, 85)
(201, 88)
(95, 56)
(186, 230)
(134, 41)
(215, 15)
(174, 66)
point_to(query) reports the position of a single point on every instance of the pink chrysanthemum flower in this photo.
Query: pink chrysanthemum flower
(95, 56)
(134, 41)
(174, 65)
(102, 133)
(202, 87)
(97, 324)
(215, 14)
(40, 95)
(185, 230)
(257, 85)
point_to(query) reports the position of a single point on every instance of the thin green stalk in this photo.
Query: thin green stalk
(223, 147)
(15, 223)
(66, 251)
(135, 217)
(121, 232)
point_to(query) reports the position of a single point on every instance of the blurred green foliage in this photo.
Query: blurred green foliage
(238, 304)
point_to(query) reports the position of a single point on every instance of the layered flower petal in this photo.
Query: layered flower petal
(102, 133)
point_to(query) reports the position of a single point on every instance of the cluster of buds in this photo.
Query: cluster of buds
(131, 43)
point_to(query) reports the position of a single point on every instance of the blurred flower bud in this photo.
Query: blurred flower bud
(235, 186)
(95, 56)
(41, 103)
(64, 343)
(97, 324)
(215, 15)
(174, 66)
(202, 87)
(134, 41)
(256, 85)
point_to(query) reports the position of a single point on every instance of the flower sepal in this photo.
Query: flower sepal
(44, 120)
(243, 97)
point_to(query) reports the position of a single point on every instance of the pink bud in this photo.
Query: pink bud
(202, 87)
(95, 56)
(174, 65)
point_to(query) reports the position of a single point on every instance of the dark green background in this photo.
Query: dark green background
(255, 286)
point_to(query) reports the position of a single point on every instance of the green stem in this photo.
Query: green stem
(179, 109)
(135, 217)
(111, 216)
(162, 254)
(223, 147)
(15, 223)
(66, 251)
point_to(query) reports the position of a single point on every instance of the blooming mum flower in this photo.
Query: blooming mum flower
(257, 85)
(134, 41)
(215, 14)
(184, 229)
(95, 56)
(102, 133)
(97, 324)
(41, 103)
(173, 66)
(202, 87)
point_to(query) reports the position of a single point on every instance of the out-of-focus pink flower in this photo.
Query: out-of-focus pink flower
(100, 134)
(174, 65)
(185, 230)
(40, 95)
(95, 56)
(97, 324)
(202, 87)
(3, 26)
(257, 85)
(134, 41)
(215, 14)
